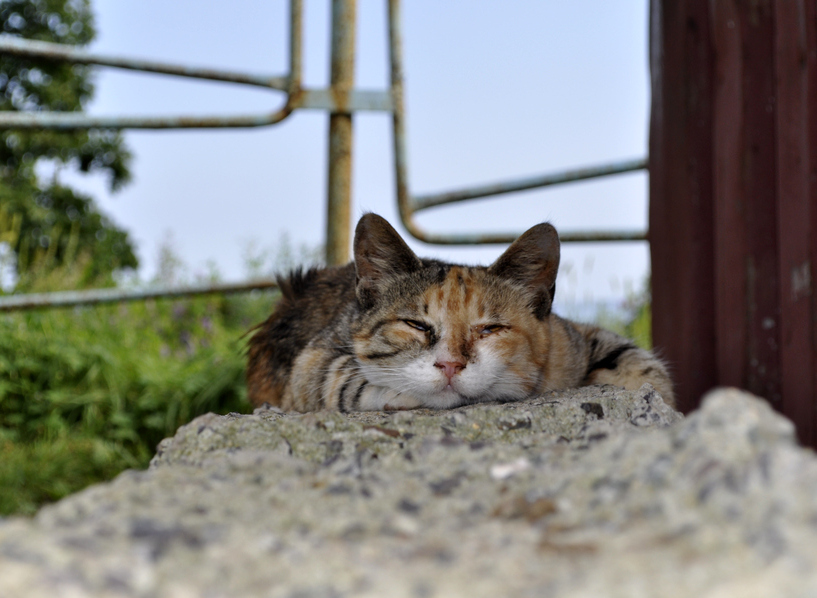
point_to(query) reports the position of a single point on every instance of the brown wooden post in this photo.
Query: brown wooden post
(733, 198)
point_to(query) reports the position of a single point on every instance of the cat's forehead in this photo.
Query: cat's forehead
(463, 288)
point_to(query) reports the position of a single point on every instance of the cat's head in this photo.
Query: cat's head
(447, 334)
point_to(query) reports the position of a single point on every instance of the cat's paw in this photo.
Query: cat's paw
(390, 407)
(379, 398)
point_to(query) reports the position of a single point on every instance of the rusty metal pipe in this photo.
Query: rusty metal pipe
(339, 180)
(407, 205)
(73, 121)
(422, 202)
(16, 46)
(70, 121)
(510, 237)
(295, 46)
(398, 125)
(307, 99)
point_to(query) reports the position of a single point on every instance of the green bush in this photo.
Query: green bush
(34, 473)
(88, 392)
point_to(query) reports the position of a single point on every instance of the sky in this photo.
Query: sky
(494, 91)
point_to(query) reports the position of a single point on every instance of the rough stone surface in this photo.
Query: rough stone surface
(590, 493)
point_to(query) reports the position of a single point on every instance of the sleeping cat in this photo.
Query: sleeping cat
(394, 331)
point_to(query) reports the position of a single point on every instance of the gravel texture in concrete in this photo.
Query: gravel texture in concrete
(592, 492)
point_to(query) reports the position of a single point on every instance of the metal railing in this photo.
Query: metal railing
(340, 99)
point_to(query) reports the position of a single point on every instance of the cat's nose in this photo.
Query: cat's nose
(450, 368)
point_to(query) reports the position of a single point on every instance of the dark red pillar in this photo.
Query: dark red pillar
(681, 215)
(733, 198)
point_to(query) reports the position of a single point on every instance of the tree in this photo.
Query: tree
(47, 218)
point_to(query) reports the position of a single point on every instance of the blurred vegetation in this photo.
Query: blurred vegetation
(89, 391)
(47, 214)
(83, 393)
(635, 321)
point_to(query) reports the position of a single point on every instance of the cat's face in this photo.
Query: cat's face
(452, 335)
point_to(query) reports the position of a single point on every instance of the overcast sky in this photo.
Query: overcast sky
(494, 91)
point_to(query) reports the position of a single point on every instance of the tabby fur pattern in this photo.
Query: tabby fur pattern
(394, 331)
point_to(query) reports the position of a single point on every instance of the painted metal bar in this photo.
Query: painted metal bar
(404, 204)
(510, 237)
(69, 121)
(354, 100)
(15, 46)
(296, 33)
(98, 296)
(314, 99)
(421, 202)
(339, 192)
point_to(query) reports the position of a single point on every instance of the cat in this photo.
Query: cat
(392, 331)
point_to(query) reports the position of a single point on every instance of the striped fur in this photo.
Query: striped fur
(393, 331)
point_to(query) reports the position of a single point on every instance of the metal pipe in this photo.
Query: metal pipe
(16, 46)
(510, 237)
(295, 46)
(353, 100)
(349, 100)
(407, 205)
(307, 99)
(404, 207)
(339, 180)
(97, 296)
(421, 202)
(69, 121)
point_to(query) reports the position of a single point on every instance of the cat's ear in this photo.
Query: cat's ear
(533, 260)
(380, 255)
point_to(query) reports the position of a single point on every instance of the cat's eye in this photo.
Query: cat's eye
(491, 328)
(417, 325)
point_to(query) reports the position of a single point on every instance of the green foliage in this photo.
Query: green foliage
(46, 470)
(43, 239)
(638, 324)
(49, 212)
(87, 392)
(639, 328)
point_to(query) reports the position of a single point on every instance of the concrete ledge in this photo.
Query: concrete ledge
(592, 492)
